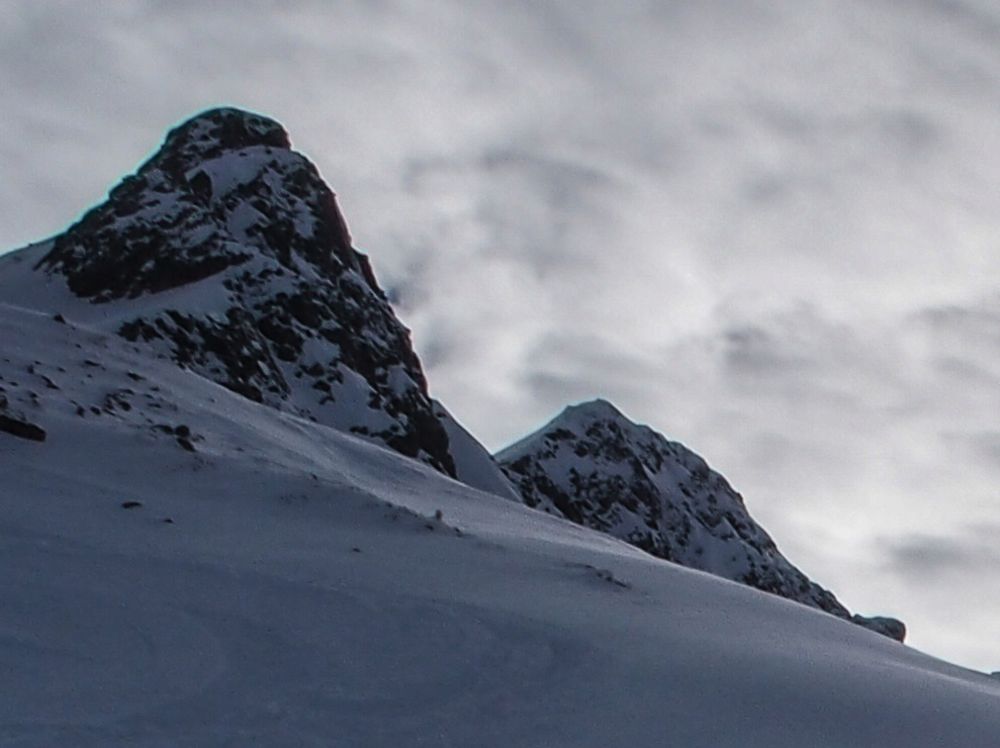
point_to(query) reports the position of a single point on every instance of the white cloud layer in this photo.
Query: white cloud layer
(769, 229)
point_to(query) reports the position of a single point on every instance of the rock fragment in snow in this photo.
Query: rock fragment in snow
(21, 428)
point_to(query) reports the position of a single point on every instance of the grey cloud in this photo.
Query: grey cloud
(910, 131)
(442, 348)
(975, 324)
(753, 350)
(978, 18)
(540, 211)
(578, 366)
(922, 557)
(987, 444)
(961, 345)
(984, 446)
(962, 371)
(801, 357)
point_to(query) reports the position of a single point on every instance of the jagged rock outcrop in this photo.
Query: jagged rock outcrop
(226, 252)
(595, 467)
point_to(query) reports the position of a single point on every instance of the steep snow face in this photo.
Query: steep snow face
(226, 252)
(595, 467)
(474, 466)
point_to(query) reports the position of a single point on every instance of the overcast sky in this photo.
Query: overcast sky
(771, 230)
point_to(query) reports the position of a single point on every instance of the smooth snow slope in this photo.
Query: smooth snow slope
(304, 594)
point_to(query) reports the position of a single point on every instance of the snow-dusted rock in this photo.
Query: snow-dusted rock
(594, 466)
(891, 627)
(226, 252)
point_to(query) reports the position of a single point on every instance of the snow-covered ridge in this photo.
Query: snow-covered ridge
(595, 467)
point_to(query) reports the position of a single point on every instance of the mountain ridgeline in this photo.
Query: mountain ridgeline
(227, 255)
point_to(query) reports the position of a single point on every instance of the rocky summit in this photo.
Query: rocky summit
(595, 467)
(226, 252)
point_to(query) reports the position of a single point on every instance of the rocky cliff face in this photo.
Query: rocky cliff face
(595, 467)
(226, 252)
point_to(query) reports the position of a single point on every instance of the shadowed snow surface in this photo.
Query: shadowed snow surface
(304, 593)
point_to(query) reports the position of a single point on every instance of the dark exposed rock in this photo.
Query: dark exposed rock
(891, 627)
(168, 225)
(21, 428)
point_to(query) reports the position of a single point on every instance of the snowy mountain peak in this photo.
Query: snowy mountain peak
(595, 467)
(591, 410)
(209, 134)
(600, 416)
(224, 189)
(226, 252)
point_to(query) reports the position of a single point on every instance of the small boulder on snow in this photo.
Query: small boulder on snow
(891, 627)
(21, 428)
